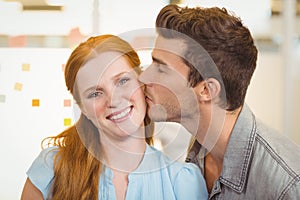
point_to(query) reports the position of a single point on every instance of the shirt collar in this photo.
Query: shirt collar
(151, 162)
(238, 152)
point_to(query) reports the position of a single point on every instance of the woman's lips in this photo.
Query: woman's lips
(120, 115)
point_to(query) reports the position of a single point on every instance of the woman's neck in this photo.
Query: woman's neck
(123, 155)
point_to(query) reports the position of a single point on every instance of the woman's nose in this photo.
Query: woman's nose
(113, 99)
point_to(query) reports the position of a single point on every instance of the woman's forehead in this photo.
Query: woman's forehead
(102, 68)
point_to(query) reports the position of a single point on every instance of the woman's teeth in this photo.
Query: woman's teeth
(121, 115)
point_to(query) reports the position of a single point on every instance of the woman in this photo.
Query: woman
(105, 155)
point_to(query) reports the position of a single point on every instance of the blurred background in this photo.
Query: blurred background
(37, 37)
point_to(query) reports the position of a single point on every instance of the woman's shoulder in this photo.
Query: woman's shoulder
(52, 150)
(41, 171)
(44, 161)
(186, 178)
(47, 155)
(188, 182)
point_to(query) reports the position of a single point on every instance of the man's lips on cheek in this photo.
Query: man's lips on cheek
(148, 99)
(148, 96)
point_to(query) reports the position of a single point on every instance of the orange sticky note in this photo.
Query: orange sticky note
(75, 36)
(25, 67)
(18, 86)
(17, 41)
(2, 98)
(35, 102)
(67, 103)
(63, 66)
(67, 121)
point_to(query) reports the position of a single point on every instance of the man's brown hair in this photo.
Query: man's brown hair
(226, 40)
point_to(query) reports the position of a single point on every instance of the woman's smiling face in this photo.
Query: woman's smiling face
(111, 95)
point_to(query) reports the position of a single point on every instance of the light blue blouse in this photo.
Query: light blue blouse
(157, 177)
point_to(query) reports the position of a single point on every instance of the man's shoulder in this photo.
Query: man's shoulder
(277, 148)
(275, 162)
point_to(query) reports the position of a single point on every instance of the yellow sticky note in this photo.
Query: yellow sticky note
(67, 121)
(18, 86)
(25, 67)
(67, 103)
(35, 102)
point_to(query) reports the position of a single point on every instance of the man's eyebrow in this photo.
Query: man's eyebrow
(158, 61)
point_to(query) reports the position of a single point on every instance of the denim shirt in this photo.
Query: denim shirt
(258, 163)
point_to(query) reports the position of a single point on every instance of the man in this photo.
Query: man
(203, 62)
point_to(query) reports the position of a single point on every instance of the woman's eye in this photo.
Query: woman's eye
(95, 94)
(122, 81)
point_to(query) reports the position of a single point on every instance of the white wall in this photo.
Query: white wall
(22, 127)
(14, 21)
(255, 14)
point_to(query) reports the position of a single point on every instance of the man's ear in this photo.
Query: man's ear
(208, 89)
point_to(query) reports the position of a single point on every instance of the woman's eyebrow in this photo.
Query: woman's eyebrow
(119, 75)
(97, 87)
(93, 88)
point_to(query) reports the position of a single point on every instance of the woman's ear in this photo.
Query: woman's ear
(208, 89)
